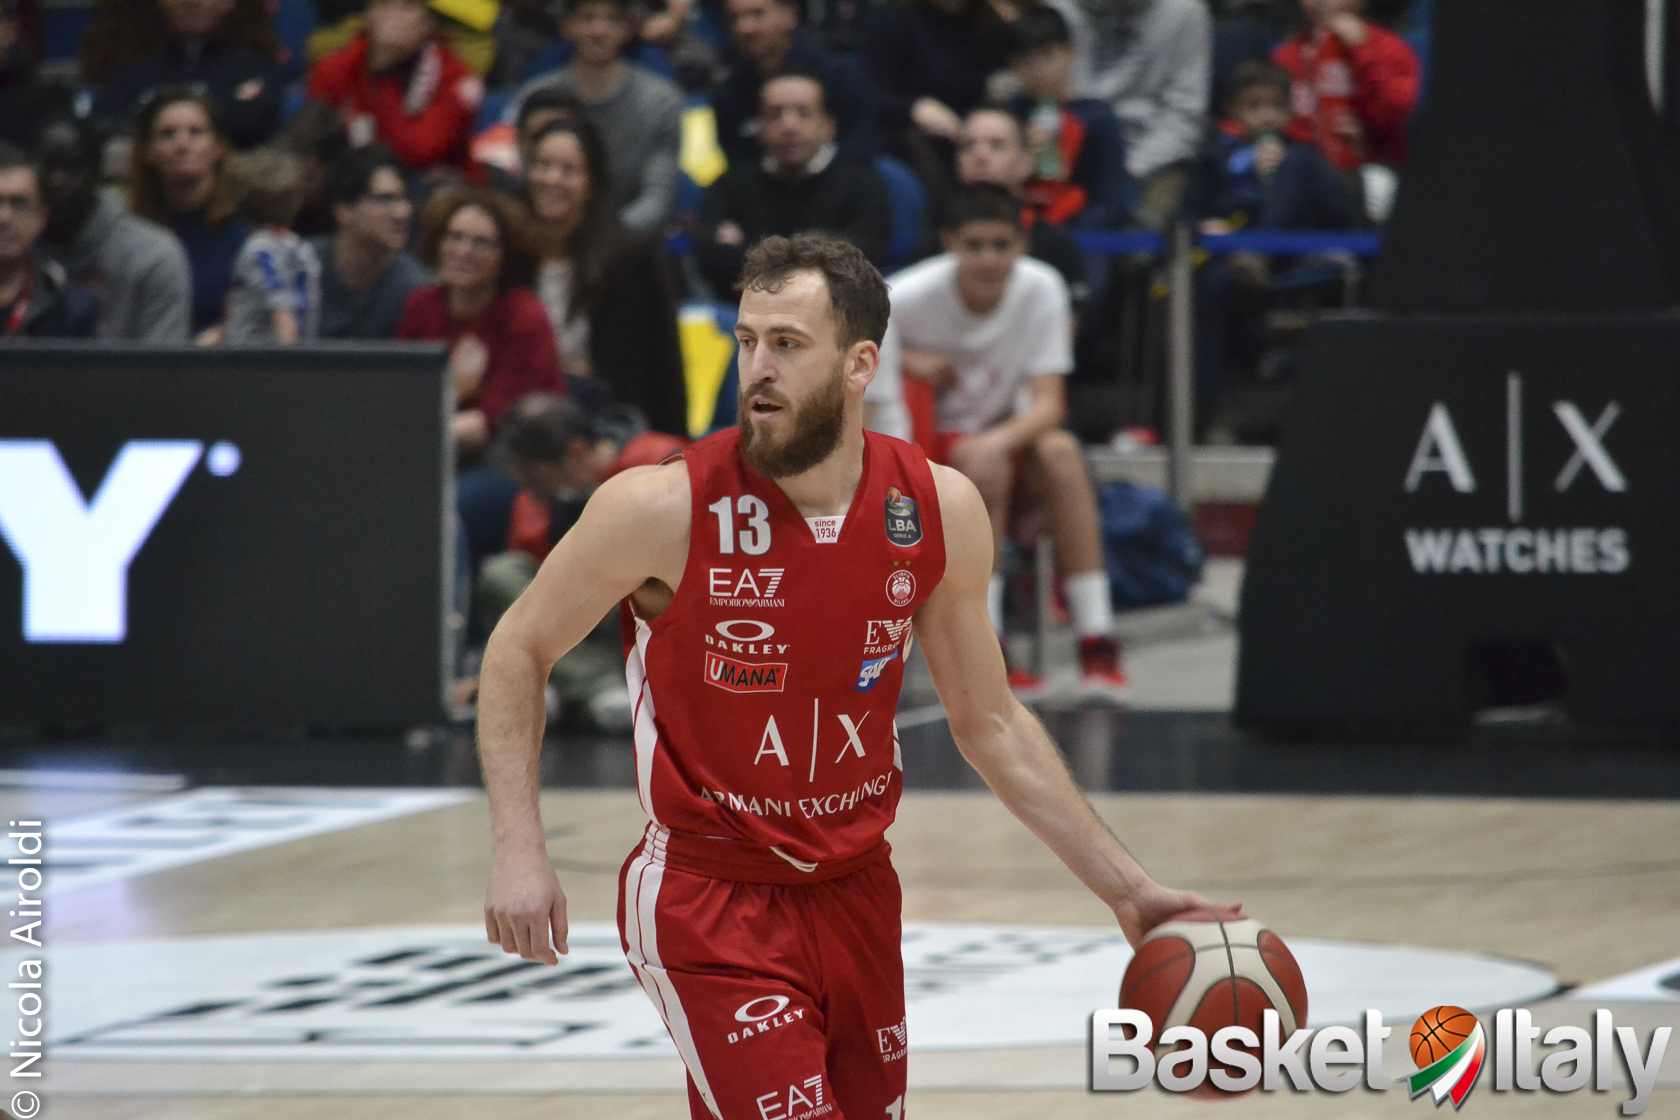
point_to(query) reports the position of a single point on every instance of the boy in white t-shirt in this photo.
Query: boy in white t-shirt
(990, 330)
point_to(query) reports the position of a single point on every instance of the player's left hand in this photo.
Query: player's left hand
(1151, 904)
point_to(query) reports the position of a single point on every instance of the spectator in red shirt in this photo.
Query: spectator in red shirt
(1354, 85)
(398, 82)
(483, 309)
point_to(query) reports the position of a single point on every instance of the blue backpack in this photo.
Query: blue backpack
(1151, 550)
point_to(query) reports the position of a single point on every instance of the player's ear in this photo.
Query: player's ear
(863, 358)
(948, 240)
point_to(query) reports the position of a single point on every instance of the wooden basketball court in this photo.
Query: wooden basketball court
(1587, 889)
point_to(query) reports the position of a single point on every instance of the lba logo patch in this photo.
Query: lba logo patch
(901, 588)
(744, 676)
(904, 520)
(871, 671)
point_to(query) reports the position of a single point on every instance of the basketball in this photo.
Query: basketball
(1197, 969)
(1438, 1032)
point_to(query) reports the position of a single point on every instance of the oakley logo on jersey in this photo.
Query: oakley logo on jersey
(744, 676)
(904, 520)
(872, 670)
(901, 588)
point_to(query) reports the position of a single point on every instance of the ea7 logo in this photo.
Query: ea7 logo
(75, 553)
(760, 583)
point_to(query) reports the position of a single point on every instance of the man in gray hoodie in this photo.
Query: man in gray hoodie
(1150, 60)
(136, 269)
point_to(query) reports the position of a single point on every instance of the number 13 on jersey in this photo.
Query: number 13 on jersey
(755, 536)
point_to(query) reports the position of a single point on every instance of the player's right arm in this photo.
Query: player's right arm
(632, 538)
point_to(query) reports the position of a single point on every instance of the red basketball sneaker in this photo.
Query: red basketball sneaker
(1100, 675)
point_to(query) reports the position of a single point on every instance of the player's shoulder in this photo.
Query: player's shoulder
(959, 499)
(654, 496)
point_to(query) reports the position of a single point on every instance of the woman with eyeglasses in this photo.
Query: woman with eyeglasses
(483, 309)
(177, 177)
(609, 293)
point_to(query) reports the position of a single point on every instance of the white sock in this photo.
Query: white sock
(1088, 601)
(994, 601)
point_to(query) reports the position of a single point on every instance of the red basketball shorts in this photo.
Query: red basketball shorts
(783, 991)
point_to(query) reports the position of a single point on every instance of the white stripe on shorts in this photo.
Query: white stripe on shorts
(641, 901)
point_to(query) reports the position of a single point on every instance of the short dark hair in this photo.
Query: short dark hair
(519, 261)
(1038, 28)
(350, 178)
(547, 98)
(541, 428)
(270, 185)
(1257, 72)
(856, 293)
(981, 202)
(807, 73)
(14, 158)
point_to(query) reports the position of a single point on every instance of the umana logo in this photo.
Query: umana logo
(76, 553)
(744, 676)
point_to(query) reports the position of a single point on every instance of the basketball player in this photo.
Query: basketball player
(771, 582)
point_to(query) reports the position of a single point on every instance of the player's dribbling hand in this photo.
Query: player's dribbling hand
(1151, 904)
(524, 906)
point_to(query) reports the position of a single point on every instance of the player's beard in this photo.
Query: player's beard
(817, 426)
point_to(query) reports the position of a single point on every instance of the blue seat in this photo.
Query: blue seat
(909, 208)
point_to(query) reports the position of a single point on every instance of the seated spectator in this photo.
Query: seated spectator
(135, 269)
(37, 300)
(177, 177)
(226, 49)
(1079, 176)
(483, 309)
(1249, 176)
(765, 39)
(798, 186)
(990, 332)
(1149, 61)
(640, 111)
(367, 273)
(558, 458)
(993, 149)
(25, 100)
(399, 82)
(1244, 31)
(929, 61)
(276, 293)
(609, 293)
(1355, 85)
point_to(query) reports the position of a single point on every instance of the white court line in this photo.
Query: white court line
(209, 823)
(1640, 986)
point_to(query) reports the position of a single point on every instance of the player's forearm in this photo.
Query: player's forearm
(1022, 766)
(511, 715)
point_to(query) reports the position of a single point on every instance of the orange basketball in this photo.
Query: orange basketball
(1198, 969)
(1438, 1032)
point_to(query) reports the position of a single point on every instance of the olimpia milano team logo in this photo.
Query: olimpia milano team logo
(1448, 1047)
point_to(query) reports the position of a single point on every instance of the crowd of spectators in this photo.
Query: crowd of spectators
(538, 184)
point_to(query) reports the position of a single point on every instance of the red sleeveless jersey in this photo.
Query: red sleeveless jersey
(765, 692)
